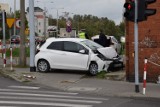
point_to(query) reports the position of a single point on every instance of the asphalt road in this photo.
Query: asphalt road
(13, 93)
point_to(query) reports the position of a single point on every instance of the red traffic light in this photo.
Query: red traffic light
(129, 10)
(127, 6)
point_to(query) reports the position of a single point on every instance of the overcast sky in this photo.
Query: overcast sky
(112, 9)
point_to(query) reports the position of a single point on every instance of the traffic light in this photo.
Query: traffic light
(129, 13)
(143, 11)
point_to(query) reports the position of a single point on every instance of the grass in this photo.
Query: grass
(101, 75)
(15, 52)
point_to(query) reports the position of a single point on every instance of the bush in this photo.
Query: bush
(15, 52)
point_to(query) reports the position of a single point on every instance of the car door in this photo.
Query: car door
(56, 55)
(73, 58)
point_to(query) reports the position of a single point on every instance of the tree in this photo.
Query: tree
(93, 24)
(22, 57)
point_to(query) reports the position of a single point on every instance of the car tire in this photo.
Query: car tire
(43, 66)
(93, 69)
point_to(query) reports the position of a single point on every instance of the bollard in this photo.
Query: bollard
(4, 56)
(11, 59)
(144, 76)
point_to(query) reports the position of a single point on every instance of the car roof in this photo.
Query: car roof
(65, 39)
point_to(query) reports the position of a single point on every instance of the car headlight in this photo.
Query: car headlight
(102, 57)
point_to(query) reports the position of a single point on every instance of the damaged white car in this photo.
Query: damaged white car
(74, 54)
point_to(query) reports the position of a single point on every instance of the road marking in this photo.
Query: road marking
(51, 99)
(49, 92)
(24, 87)
(9, 106)
(44, 104)
(46, 95)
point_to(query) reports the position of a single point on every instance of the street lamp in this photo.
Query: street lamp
(57, 18)
(45, 10)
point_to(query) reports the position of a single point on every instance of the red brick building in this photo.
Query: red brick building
(149, 46)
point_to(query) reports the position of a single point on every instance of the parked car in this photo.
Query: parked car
(74, 54)
(15, 39)
(114, 42)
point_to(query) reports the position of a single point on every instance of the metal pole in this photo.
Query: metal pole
(45, 22)
(136, 47)
(32, 35)
(14, 17)
(57, 22)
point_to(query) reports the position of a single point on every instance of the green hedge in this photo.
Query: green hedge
(15, 52)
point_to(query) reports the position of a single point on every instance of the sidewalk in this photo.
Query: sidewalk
(79, 83)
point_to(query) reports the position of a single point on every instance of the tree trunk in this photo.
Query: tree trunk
(22, 57)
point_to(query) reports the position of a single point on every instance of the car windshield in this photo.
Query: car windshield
(92, 45)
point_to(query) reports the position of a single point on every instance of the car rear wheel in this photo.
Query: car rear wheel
(93, 69)
(43, 66)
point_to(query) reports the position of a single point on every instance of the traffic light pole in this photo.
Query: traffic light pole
(136, 47)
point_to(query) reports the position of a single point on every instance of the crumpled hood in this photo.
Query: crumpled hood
(108, 52)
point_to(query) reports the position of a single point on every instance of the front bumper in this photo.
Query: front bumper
(117, 64)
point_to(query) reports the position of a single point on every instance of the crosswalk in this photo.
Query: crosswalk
(24, 96)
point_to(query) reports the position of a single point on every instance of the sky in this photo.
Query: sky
(112, 9)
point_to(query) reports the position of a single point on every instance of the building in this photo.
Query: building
(41, 22)
(65, 34)
(149, 46)
(4, 6)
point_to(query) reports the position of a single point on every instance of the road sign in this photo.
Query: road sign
(68, 26)
(18, 23)
(10, 22)
(69, 29)
(68, 23)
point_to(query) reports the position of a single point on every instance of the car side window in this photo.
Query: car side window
(56, 45)
(72, 47)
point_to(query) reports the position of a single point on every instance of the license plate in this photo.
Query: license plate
(117, 65)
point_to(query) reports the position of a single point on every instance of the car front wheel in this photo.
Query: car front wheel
(93, 69)
(43, 66)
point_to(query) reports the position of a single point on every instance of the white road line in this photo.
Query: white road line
(37, 91)
(46, 95)
(9, 106)
(44, 104)
(24, 87)
(51, 99)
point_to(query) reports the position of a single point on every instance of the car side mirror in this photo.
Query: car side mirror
(82, 51)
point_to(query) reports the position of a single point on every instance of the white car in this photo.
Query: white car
(115, 44)
(74, 54)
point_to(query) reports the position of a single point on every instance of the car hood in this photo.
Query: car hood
(108, 52)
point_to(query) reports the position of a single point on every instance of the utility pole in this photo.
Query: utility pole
(32, 35)
(15, 17)
(45, 23)
(57, 20)
(22, 57)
